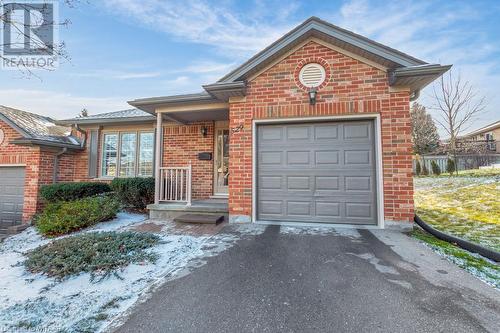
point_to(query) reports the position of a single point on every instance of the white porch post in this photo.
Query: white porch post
(158, 157)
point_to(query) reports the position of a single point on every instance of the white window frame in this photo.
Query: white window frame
(119, 147)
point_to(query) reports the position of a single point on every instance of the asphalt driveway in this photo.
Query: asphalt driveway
(345, 281)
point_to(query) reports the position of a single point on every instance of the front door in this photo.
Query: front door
(221, 158)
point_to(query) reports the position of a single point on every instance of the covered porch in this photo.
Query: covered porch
(191, 157)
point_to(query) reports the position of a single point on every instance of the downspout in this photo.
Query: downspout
(64, 150)
(56, 164)
(83, 133)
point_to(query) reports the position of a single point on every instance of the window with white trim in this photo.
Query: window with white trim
(127, 154)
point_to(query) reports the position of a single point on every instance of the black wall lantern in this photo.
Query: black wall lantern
(204, 131)
(312, 96)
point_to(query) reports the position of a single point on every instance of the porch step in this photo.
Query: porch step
(199, 218)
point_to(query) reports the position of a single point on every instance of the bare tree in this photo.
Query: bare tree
(458, 105)
(21, 29)
(424, 133)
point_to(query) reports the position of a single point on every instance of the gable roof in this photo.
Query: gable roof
(315, 27)
(403, 69)
(37, 129)
(490, 127)
(121, 116)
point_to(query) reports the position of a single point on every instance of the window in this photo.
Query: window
(109, 154)
(127, 154)
(146, 146)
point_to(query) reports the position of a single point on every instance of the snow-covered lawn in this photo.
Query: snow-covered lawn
(38, 303)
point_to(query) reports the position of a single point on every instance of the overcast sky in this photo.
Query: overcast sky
(126, 49)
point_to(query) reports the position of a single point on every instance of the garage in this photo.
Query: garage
(11, 196)
(322, 172)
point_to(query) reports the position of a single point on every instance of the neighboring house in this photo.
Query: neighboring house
(33, 151)
(487, 135)
(314, 128)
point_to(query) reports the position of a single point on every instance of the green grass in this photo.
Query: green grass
(477, 265)
(98, 253)
(467, 206)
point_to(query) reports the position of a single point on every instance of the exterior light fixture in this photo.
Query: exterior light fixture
(312, 96)
(204, 131)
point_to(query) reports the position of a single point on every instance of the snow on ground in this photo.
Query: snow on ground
(36, 302)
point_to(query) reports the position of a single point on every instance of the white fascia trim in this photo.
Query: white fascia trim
(378, 160)
(13, 165)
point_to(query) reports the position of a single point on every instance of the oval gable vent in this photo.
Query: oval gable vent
(312, 75)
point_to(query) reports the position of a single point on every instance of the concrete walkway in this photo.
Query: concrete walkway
(346, 281)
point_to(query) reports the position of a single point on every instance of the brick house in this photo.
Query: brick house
(313, 129)
(33, 151)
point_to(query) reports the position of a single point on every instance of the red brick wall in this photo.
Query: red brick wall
(181, 144)
(39, 166)
(11, 154)
(353, 87)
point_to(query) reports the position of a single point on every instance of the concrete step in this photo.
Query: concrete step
(199, 218)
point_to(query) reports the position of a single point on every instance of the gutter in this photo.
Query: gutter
(27, 141)
(471, 247)
(93, 121)
(56, 164)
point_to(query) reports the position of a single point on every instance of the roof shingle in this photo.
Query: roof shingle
(34, 126)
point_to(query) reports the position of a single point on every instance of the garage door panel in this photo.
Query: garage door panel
(298, 133)
(271, 133)
(326, 157)
(11, 195)
(270, 182)
(358, 210)
(328, 209)
(358, 183)
(327, 183)
(317, 172)
(298, 183)
(298, 158)
(299, 208)
(271, 158)
(272, 207)
(327, 131)
(357, 131)
(357, 157)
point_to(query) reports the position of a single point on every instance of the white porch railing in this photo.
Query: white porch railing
(175, 184)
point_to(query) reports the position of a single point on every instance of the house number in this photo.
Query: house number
(237, 128)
